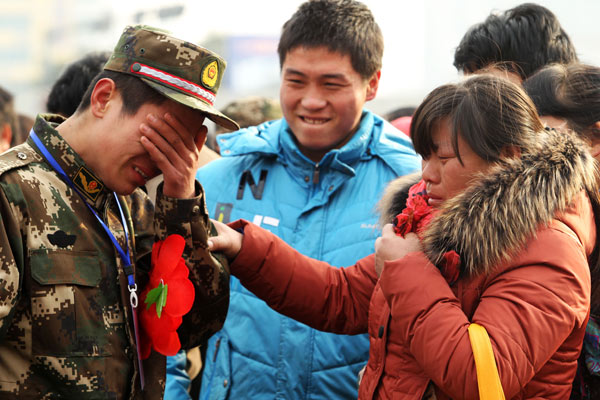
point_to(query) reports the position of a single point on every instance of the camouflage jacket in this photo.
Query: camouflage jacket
(65, 323)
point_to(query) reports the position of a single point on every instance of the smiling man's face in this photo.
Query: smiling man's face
(322, 98)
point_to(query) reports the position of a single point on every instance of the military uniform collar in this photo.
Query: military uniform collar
(90, 186)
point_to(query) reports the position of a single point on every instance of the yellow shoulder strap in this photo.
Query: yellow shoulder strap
(488, 380)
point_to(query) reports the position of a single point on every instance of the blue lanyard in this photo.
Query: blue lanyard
(124, 254)
(133, 299)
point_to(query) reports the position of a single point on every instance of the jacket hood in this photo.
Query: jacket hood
(263, 139)
(494, 217)
(375, 137)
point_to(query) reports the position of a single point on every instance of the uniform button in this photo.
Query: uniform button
(226, 151)
(225, 383)
(22, 155)
(306, 178)
(196, 209)
(381, 330)
(330, 188)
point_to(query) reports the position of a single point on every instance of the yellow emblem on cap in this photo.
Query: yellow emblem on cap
(210, 73)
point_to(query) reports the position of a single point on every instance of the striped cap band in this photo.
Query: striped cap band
(174, 81)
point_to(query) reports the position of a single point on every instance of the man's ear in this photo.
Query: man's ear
(373, 85)
(102, 95)
(5, 137)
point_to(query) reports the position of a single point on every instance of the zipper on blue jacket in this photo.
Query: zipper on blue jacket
(212, 374)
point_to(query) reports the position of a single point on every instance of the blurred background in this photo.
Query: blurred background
(38, 38)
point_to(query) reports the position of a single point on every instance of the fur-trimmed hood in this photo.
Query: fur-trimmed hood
(493, 218)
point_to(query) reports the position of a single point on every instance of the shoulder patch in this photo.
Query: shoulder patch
(18, 156)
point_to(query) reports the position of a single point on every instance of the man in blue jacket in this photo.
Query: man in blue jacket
(312, 178)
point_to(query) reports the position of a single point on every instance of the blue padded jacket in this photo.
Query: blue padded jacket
(324, 210)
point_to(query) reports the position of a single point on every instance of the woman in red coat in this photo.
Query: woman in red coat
(498, 232)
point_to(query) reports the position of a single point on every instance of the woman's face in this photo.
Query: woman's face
(554, 122)
(443, 173)
(592, 139)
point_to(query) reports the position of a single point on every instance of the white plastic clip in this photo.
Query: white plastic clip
(133, 299)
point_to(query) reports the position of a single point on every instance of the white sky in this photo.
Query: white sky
(420, 36)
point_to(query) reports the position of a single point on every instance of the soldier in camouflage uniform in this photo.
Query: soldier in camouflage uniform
(66, 323)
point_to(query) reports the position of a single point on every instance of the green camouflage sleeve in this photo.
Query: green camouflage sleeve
(208, 272)
(11, 257)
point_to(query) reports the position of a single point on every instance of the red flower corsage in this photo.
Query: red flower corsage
(417, 213)
(168, 296)
(415, 218)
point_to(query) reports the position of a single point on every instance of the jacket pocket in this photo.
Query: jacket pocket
(65, 314)
(216, 379)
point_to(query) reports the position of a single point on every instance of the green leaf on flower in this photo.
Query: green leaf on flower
(152, 296)
(157, 296)
(162, 300)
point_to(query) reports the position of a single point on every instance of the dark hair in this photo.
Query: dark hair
(134, 92)
(525, 38)
(344, 26)
(571, 92)
(488, 112)
(8, 114)
(7, 111)
(25, 124)
(67, 92)
(399, 112)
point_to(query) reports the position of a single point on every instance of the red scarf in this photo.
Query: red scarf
(415, 218)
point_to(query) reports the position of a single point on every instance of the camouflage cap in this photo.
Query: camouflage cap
(253, 110)
(182, 71)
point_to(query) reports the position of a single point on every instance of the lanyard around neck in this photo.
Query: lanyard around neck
(124, 254)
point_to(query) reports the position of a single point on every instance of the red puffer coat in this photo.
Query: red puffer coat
(524, 233)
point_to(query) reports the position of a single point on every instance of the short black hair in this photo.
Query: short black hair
(134, 92)
(526, 38)
(344, 26)
(67, 92)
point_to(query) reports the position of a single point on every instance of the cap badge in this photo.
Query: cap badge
(210, 73)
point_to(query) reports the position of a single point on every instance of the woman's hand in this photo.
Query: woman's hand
(390, 246)
(228, 241)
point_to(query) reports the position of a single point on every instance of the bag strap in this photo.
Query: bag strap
(488, 380)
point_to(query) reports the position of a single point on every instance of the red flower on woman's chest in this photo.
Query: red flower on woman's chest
(415, 218)
(417, 213)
